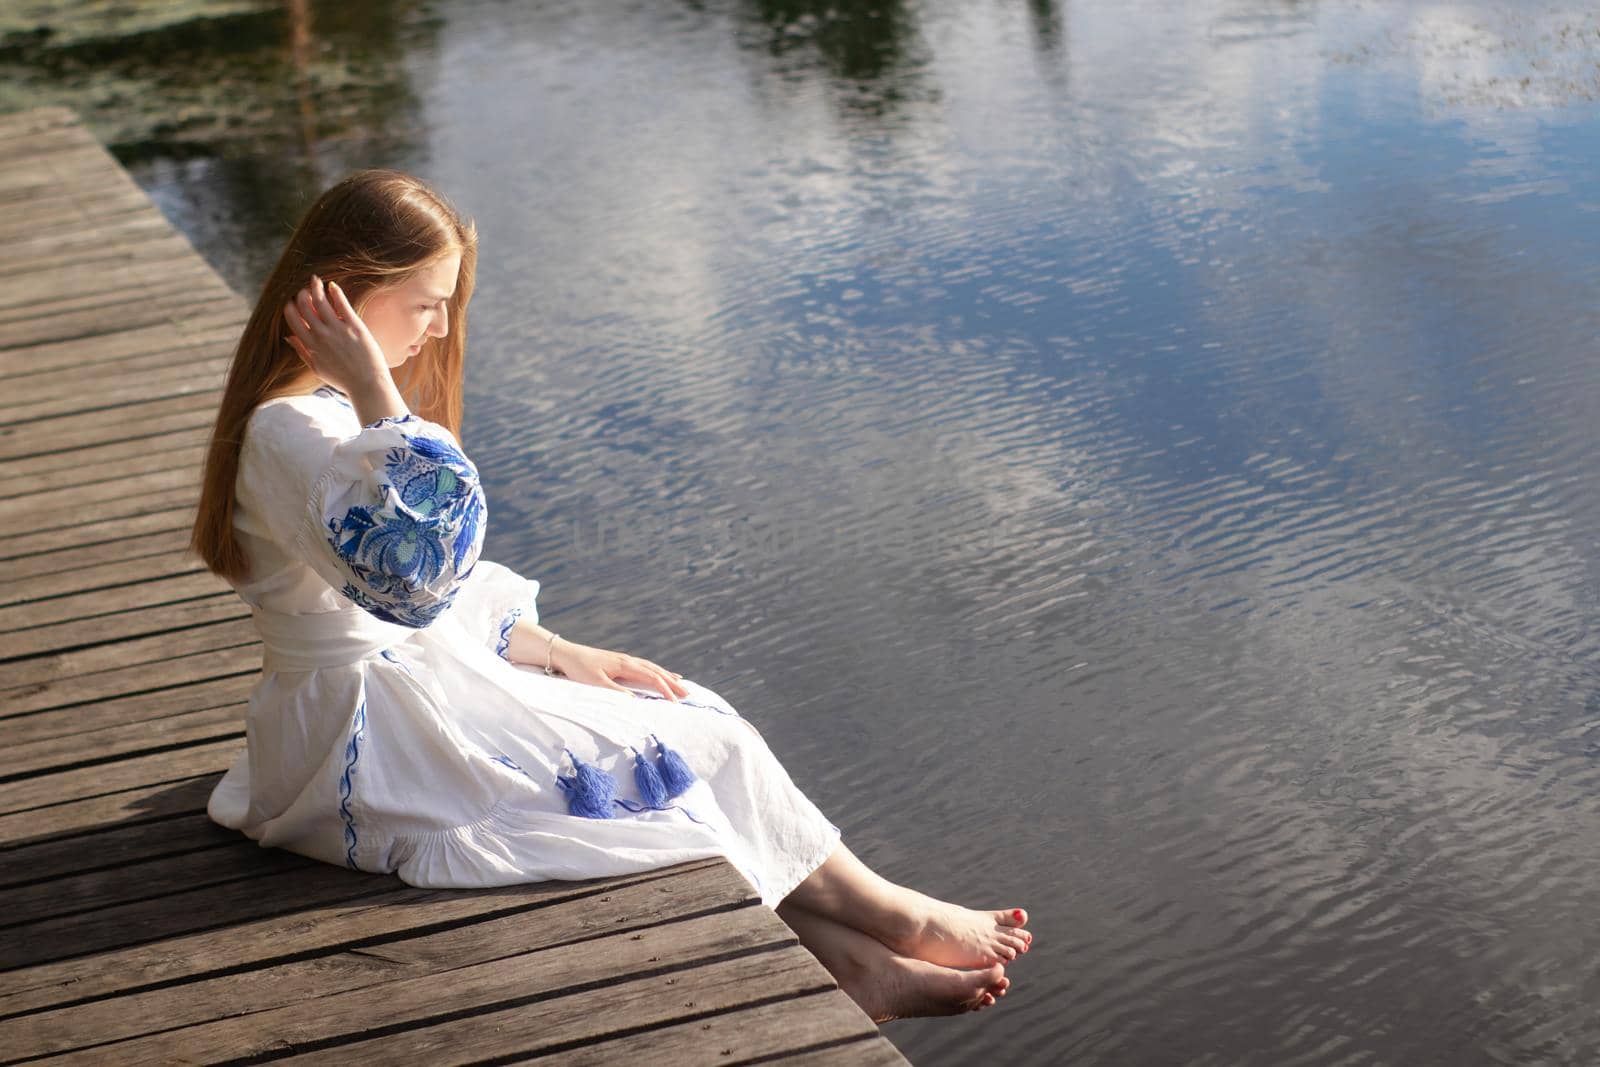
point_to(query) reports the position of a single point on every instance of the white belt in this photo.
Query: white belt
(323, 639)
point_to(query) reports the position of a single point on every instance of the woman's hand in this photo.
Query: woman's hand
(604, 668)
(333, 341)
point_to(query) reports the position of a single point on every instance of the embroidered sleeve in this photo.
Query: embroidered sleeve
(397, 520)
(491, 601)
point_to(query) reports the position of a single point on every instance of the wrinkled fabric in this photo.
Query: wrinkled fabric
(389, 732)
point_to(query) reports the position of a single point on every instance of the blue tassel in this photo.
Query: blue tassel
(651, 787)
(675, 773)
(589, 791)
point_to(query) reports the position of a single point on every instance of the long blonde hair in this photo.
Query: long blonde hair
(372, 229)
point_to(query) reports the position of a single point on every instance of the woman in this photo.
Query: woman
(412, 715)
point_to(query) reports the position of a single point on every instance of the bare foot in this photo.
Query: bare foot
(888, 986)
(952, 936)
(903, 988)
(911, 924)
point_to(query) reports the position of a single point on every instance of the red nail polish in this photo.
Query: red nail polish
(1017, 915)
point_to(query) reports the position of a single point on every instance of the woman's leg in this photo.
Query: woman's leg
(912, 924)
(885, 985)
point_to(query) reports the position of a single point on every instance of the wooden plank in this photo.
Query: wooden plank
(161, 366)
(111, 848)
(147, 878)
(121, 625)
(85, 210)
(109, 779)
(92, 605)
(101, 462)
(34, 119)
(146, 803)
(88, 200)
(513, 980)
(565, 1020)
(129, 710)
(34, 144)
(77, 310)
(51, 491)
(132, 422)
(95, 248)
(91, 268)
(89, 558)
(875, 1051)
(103, 532)
(214, 328)
(137, 678)
(121, 741)
(160, 363)
(579, 913)
(204, 373)
(94, 270)
(53, 527)
(29, 182)
(107, 657)
(103, 500)
(184, 913)
(389, 910)
(170, 556)
(767, 1031)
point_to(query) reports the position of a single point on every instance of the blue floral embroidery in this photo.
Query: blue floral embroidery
(430, 518)
(391, 420)
(389, 654)
(502, 647)
(509, 762)
(333, 394)
(352, 753)
(686, 700)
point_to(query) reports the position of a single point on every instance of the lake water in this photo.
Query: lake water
(1132, 459)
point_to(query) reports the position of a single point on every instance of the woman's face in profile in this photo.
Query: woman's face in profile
(401, 317)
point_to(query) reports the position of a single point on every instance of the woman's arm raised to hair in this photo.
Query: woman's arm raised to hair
(339, 349)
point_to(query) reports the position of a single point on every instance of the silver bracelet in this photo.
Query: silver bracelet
(550, 653)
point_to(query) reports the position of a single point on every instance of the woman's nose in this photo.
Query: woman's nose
(441, 323)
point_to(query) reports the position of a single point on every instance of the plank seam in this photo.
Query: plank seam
(138, 636)
(109, 793)
(139, 942)
(109, 585)
(26, 690)
(631, 1031)
(120, 696)
(807, 1050)
(288, 1049)
(427, 929)
(120, 863)
(288, 867)
(68, 835)
(88, 544)
(175, 746)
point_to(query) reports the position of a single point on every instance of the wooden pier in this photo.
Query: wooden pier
(132, 929)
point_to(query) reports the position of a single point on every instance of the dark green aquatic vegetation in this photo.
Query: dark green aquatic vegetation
(216, 77)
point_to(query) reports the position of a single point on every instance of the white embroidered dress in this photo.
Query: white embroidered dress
(389, 733)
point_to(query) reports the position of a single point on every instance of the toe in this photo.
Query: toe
(1011, 917)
